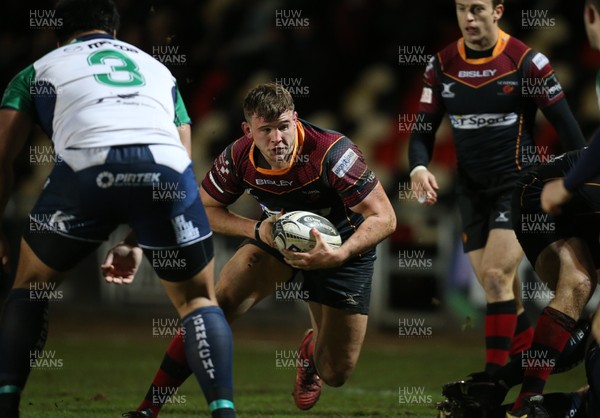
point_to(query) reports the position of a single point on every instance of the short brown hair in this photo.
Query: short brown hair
(267, 101)
(595, 3)
(497, 2)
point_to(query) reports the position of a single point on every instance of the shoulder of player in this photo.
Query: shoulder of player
(517, 50)
(319, 141)
(315, 133)
(525, 57)
(240, 149)
(447, 54)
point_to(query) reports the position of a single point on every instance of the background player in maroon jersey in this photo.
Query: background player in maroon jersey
(491, 85)
(568, 259)
(289, 164)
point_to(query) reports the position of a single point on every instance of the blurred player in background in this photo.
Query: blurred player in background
(565, 252)
(289, 164)
(569, 191)
(480, 82)
(562, 245)
(119, 125)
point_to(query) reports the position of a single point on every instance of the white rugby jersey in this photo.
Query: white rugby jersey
(99, 92)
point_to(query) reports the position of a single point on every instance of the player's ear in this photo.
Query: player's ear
(246, 129)
(589, 14)
(498, 12)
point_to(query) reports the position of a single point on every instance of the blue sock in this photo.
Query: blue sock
(23, 331)
(209, 352)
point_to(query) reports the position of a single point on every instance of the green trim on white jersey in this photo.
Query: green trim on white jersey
(100, 92)
(18, 93)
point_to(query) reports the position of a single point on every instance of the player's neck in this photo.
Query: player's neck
(89, 32)
(275, 165)
(484, 43)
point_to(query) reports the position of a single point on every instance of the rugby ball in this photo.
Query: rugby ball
(292, 231)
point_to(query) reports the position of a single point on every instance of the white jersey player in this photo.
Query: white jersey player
(119, 126)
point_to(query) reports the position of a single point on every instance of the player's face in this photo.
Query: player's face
(478, 21)
(274, 139)
(592, 25)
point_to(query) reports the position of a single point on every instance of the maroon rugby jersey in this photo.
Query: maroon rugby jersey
(328, 175)
(491, 102)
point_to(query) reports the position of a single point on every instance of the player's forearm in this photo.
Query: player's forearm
(420, 146)
(586, 167)
(185, 135)
(6, 185)
(225, 222)
(371, 232)
(562, 119)
(14, 129)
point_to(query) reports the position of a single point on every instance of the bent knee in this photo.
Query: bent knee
(335, 377)
(581, 285)
(232, 307)
(497, 282)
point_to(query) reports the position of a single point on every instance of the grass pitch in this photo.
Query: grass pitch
(105, 372)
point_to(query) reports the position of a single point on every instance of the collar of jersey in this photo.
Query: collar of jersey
(503, 38)
(299, 141)
(92, 36)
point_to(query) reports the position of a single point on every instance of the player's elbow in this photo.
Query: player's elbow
(389, 223)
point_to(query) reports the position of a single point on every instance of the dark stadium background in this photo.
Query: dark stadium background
(346, 63)
(346, 59)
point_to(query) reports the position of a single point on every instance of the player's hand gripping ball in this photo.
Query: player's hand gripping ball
(292, 231)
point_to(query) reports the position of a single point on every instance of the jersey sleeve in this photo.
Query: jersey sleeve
(540, 81)
(431, 111)
(181, 114)
(347, 172)
(17, 95)
(431, 96)
(221, 181)
(587, 166)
